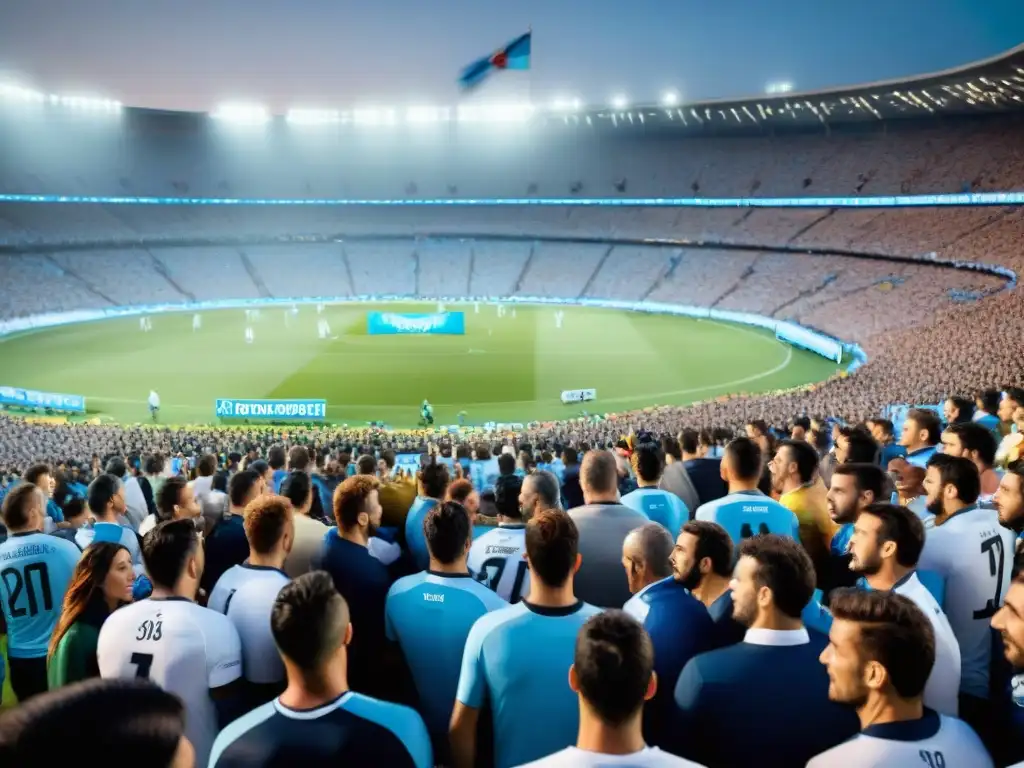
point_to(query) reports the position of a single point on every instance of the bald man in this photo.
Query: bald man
(603, 525)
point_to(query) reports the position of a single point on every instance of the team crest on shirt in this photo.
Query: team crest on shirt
(1017, 690)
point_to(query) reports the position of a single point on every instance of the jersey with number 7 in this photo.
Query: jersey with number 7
(973, 553)
(497, 560)
(184, 648)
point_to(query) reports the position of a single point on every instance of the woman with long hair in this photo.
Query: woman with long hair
(102, 583)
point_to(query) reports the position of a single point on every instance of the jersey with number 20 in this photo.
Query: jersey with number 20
(496, 560)
(184, 648)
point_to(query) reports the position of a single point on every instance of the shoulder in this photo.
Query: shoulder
(238, 728)
(406, 583)
(491, 600)
(841, 754)
(495, 621)
(80, 634)
(402, 721)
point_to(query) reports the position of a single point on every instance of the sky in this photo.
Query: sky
(195, 54)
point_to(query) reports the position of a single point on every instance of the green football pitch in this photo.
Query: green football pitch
(505, 369)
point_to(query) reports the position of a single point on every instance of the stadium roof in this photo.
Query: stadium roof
(993, 85)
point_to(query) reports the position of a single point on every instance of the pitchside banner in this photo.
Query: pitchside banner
(304, 410)
(453, 323)
(30, 398)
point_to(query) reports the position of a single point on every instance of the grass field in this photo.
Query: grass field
(503, 369)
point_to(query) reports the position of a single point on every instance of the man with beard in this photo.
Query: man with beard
(1009, 503)
(678, 624)
(1009, 623)
(880, 653)
(771, 684)
(972, 552)
(886, 544)
(972, 441)
(854, 487)
(702, 562)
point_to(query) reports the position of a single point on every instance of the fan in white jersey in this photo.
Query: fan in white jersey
(885, 546)
(973, 554)
(270, 531)
(880, 653)
(188, 650)
(497, 557)
(613, 675)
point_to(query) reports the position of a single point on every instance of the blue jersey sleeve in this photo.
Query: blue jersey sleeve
(472, 677)
(405, 723)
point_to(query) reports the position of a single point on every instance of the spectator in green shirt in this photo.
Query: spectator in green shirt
(102, 582)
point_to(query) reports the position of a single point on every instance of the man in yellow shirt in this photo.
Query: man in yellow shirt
(795, 478)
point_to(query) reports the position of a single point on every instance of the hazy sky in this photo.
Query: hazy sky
(193, 54)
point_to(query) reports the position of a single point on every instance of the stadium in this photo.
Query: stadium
(491, 298)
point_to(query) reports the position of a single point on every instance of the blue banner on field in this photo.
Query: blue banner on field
(303, 410)
(30, 398)
(410, 322)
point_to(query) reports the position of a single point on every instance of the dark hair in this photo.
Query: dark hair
(241, 485)
(804, 456)
(901, 526)
(670, 447)
(298, 458)
(649, 463)
(260, 467)
(266, 520)
(783, 566)
(927, 420)
(867, 477)
(613, 662)
(960, 473)
(965, 407)
(207, 465)
(276, 456)
(1016, 394)
(153, 464)
(689, 439)
(447, 528)
(33, 473)
(101, 491)
(883, 424)
(366, 465)
(169, 495)
(570, 456)
(85, 588)
(434, 479)
(18, 502)
(552, 544)
(861, 447)
(600, 472)
(506, 495)
(744, 457)
(350, 498)
(296, 488)
(309, 620)
(506, 463)
(74, 507)
(116, 466)
(147, 730)
(713, 542)
(547, 487)
(166, 550)
(989, 400)
(974, 437)
(894, 632)
(220, 481)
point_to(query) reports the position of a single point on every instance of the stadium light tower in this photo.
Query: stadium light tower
(620, 102)
(670, 99)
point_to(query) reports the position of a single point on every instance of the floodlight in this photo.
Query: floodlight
(312, 116)
(670, 98)
(242, 113)
(620, 102)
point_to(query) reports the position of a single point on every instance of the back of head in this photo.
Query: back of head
(366, 465)
(309, 620)
(166, 551)
(783, 566)
(154, 464)
(861, 446)
(20, 505)
(976, 438)
(989, 400)
(925, 420)
(35, 472)
(893, 632)
(689, 440)
(743, 458)
(460, 490)
(207, 465)
(506, 496)
(242, 487)
(655, 545)
(101, 491)
(902, 527)
(296, 488)
(613, 664)
(570, 456)
(506, 463)
(965, 408)
(599, 473)
(448, 530)
(648, 462)
(169, 495)
(298, 458)
(961, 473)
(62, 727)
(434, 479)
(552, 545)
(267, 520)
(276, 457)
(116, 466)
(260, 467)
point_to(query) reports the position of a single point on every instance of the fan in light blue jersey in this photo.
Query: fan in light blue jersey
(430, 614)
(35, 570)
(432, 481)
(517, 658)
(660, 506)
(745, 511)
